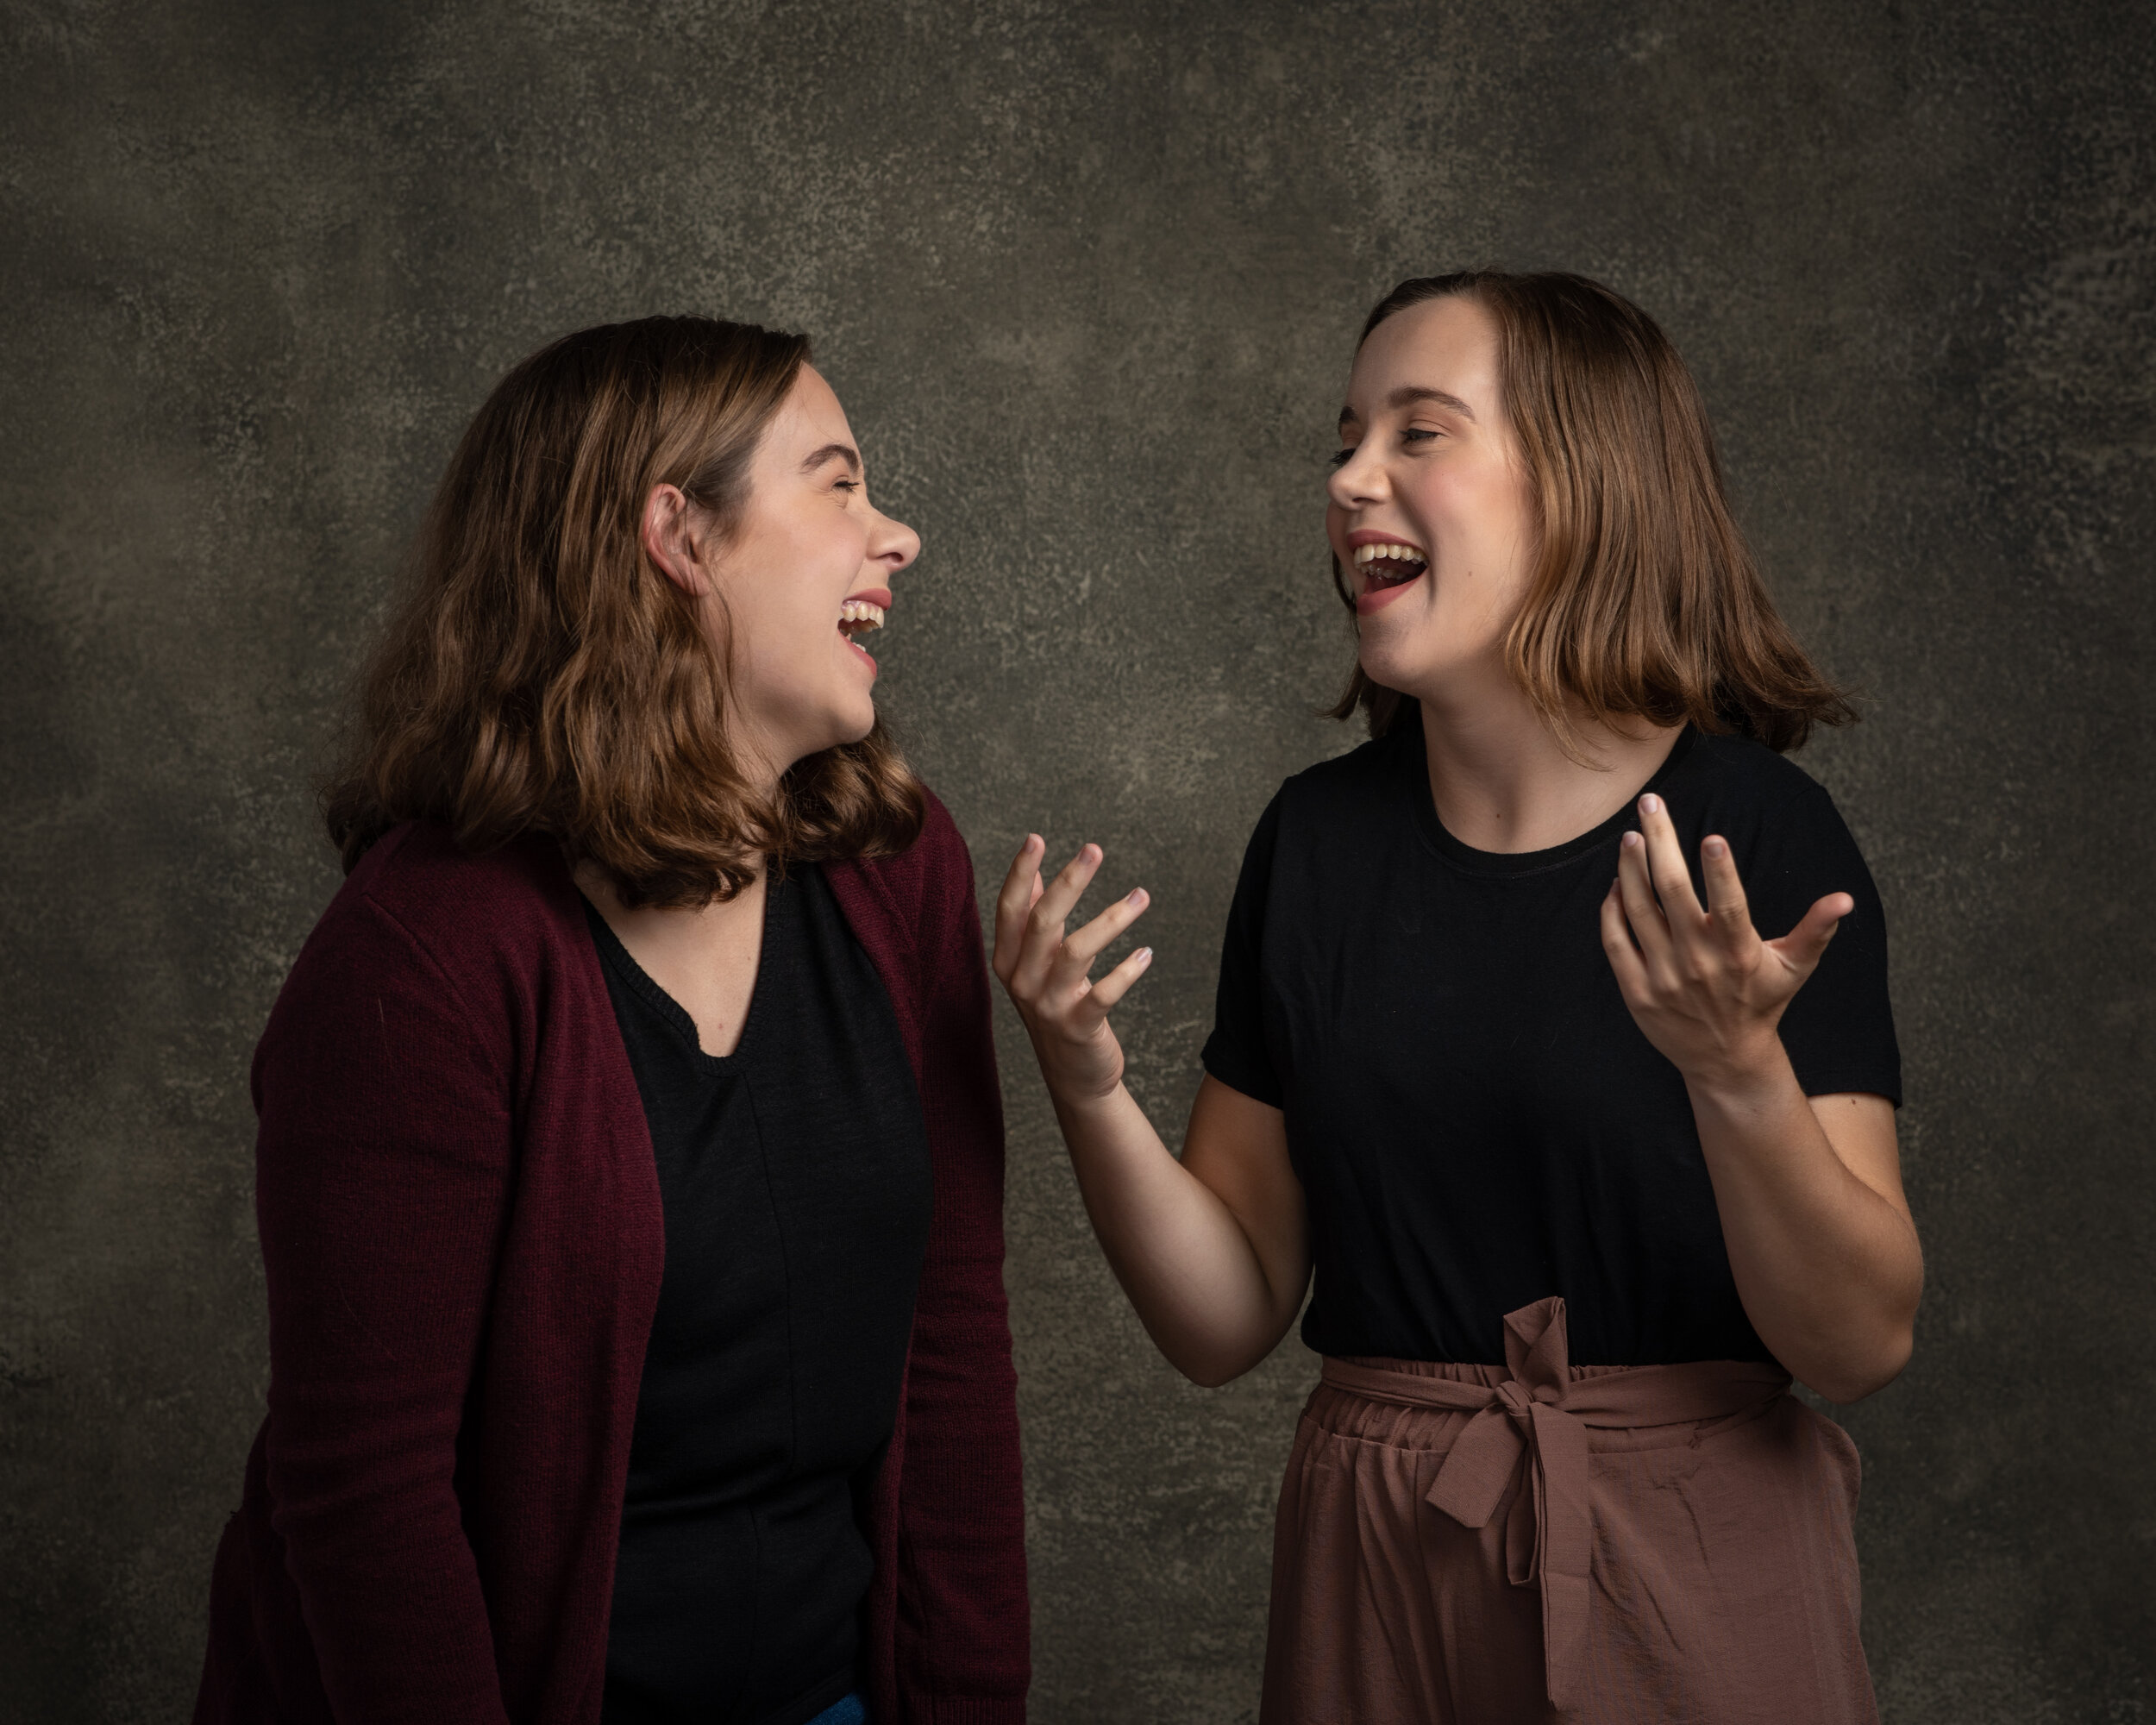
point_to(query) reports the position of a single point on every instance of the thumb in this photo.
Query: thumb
(1803, 946)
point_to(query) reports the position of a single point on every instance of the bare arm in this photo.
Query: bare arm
(1821, 1241)
(1212, 1251)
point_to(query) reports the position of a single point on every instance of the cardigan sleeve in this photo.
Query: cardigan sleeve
(963, 1632)
(382, 1164)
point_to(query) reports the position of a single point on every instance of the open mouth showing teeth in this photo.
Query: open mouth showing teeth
(1389, 564)
(858, 616)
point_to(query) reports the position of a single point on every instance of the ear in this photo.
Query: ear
(669, 540)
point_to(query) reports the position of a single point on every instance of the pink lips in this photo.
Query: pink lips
(1373, 600)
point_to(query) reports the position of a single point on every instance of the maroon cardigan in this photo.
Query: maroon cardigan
(461, 1222)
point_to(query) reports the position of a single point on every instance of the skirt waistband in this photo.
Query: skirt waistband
(1533, 1420)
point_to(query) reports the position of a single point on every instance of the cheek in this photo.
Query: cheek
(809, 579)
(1497, 506)
(779, 624)
(1479, 524)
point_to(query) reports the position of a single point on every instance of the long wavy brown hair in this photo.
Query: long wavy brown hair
(540, 675)
(1643, 601)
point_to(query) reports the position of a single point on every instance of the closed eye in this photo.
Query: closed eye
(1414, 433)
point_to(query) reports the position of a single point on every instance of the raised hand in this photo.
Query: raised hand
(1702, 986)
(1047, 973)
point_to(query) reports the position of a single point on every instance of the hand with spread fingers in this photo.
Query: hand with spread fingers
(1820, 1244)
(1212, 1248)
(1047, 973)
(1702, 985)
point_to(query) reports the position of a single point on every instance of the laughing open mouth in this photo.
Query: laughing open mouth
(1388, 563)
(858, 616)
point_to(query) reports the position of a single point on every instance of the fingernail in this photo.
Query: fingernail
(1144, 955)
(1650, 804)
(1716, 848)
(1137, 896)
(1628, 841)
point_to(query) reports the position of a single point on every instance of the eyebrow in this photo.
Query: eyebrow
(843, 452)
(1408, 394)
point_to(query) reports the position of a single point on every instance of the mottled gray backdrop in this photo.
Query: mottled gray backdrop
(1087, 277)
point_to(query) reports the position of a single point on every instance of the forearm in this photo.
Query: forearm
(391, 1591)
(962, 1645)
(381, 1180)
(1828, 1269)
(961, 1623)
(1212, 1249)
(373, 1325)
(1190, 1270)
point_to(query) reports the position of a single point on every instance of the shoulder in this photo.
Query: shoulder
(1340, 791)
(467, 914)
(1790, 841)
(926, 870)
(1339, 802)
(1736, 766)
(1737, 785)
(915, 896)
(1354, 777)
(441, 952)
(938, 857)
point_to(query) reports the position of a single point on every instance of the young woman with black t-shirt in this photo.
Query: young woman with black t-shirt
(1585, 1167)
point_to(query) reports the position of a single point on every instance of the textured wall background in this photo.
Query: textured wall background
(1086, 279)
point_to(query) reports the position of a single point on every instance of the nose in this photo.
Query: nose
(1360, 480)
(892, 544)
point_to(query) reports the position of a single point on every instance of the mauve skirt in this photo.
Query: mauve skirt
(1467, 1545)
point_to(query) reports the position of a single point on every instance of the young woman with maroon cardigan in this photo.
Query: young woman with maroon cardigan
(629, 1173)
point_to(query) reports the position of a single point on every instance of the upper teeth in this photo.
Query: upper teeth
(860, 611)
(1387, 549)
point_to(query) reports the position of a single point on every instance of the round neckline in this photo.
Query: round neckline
(1508, 864)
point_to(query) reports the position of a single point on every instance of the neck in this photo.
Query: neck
(758, 760)
(1501, 782)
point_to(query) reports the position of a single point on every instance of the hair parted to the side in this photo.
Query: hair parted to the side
(540, 675)
(1643, 601)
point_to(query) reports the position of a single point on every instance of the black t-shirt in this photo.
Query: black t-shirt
(1476, 1121)
(795, 1178)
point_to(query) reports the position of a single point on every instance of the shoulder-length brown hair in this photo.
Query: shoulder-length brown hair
(541, 676)
(1643, 601)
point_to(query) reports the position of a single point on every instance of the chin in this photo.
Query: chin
(1384, 664)
(862, 721)
(851, 726)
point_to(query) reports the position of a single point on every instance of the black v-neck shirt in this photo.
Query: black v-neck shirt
(794, 1173)
(1476, 1121)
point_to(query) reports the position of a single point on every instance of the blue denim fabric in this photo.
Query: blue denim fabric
(848, 1709)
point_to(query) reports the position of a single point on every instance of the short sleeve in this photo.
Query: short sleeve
(1840, 1029)
(1236, 1052)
